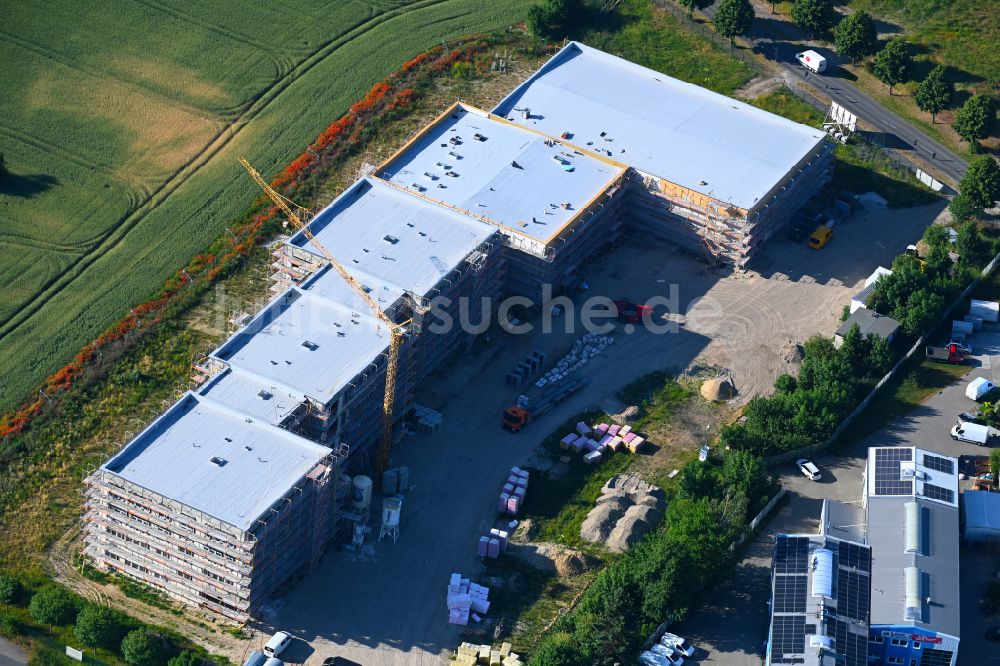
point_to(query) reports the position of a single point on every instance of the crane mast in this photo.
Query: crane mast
(395, 330)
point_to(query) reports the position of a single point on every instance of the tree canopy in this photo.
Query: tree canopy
(981, 182)
(53, 605)
(813, 16)
(892, 63)
(973, 120)
(733, 18)
(856, 36)
(554, 19)
(98, 626)
(10, 588)
(185, 658)
(934, 92)
(139, 648)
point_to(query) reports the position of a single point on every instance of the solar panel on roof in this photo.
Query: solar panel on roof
(887, 478)
(854, 556)
(790, 593)
(938, 493)
(787, 637)
(791, 555)
(939, 464)
(853, 595)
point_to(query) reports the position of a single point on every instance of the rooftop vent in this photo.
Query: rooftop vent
(390, 239)
(913, 527)
(264, 395)
(311, 346)
(217, 461)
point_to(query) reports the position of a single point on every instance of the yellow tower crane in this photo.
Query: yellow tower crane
(395, 330)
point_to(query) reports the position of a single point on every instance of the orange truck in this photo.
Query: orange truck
(516, 417)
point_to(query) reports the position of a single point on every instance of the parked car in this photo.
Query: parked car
(820, 237)
(673, 657)
(256, 658)
(809, 468)
(277, 644)
(963, 347)
(969, 417)
(677, 643)
(978, 388)
(972, 433)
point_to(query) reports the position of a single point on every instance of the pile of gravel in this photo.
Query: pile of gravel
(627, 509)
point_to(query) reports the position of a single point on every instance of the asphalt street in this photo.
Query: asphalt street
(779, 41)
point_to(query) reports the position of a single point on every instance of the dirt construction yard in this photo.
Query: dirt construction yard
(386, 604)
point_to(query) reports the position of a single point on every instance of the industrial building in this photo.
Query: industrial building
(235, 487)
(710, 173)
(879, 583)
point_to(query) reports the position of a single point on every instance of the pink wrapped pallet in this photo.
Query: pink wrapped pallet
(565, 441)
(484, 544)
(613, 430)
(513, 504)
(629, 436)
(583, 428)
(494, 548)
(502, 507)
(616, 444)
(626, 429)
(601, 429)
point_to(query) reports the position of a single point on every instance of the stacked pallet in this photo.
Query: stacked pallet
(494, 545)
(514, 489)
(428, 420)
(469, 654)
(465, 600)
(600, 440)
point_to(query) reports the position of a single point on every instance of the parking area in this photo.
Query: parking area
(732, 628)
(385, 604)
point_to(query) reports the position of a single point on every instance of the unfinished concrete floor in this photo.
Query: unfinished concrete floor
(386, 605)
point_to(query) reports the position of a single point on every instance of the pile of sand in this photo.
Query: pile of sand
(717, 389)
(627, 509)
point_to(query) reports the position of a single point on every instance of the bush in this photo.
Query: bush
(9, 626)
(10, 589)
(185, 658)
(139, 648)
(98, 626)
(53, 605)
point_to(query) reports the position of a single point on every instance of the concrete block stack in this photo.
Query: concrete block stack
(428, 420)
(470, 653)
(585, 348)
(493, 545)
(512, 494)
(525, 368)
(466, 599)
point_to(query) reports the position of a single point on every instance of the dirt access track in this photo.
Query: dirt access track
(385, 605)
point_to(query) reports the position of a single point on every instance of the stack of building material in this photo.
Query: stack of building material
(583, 429)
(494, 544)
(469, 654)
(466, 598)
(513, 492)
(585, 348)
(395, 480)
(428, 420)
(633, 442)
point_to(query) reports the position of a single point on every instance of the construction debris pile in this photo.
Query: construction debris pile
(585, 348)
(465, 600)
(600, 440)
(494, 545)
(512, 494)
(469, 654)
(627, 509)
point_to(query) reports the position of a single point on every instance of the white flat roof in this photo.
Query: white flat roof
(512, 176)
(259, 462)
(253, 396)
(390, 241)
(704, 141)
(307, 344)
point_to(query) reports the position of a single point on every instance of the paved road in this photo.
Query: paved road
(742, 599)
(11, 654)
(780, 40)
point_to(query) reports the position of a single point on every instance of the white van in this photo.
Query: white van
(277, 644)
(978, 387)
(971, 432)
(812, 61)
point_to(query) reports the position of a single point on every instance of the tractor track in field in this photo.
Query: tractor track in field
(117, 233)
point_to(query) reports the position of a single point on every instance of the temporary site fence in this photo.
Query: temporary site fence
(915, 349)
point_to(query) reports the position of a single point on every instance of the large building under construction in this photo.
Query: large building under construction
(236, 486)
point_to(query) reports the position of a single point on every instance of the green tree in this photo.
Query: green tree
(963, 209)
(813, 16)
(554, 19)
(879, 357)
(52, 605)
(973, 120)
(981, 182)
(698, 479)
(558, 649)
(973, 249)
(854, 351)
(689, 5)
(995, 463)
(935, 235)
(744, 472)
(185, 658)
(10, 589)
(98, 626)
(733, 18)
(785, 383)
(856, 36)
(607, 613)
(892, 63)
(934, 92)
(139, 648)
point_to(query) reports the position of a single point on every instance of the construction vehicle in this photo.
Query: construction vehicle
(632, 313)
(396, 331)
(947, 354)
(517, 416)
